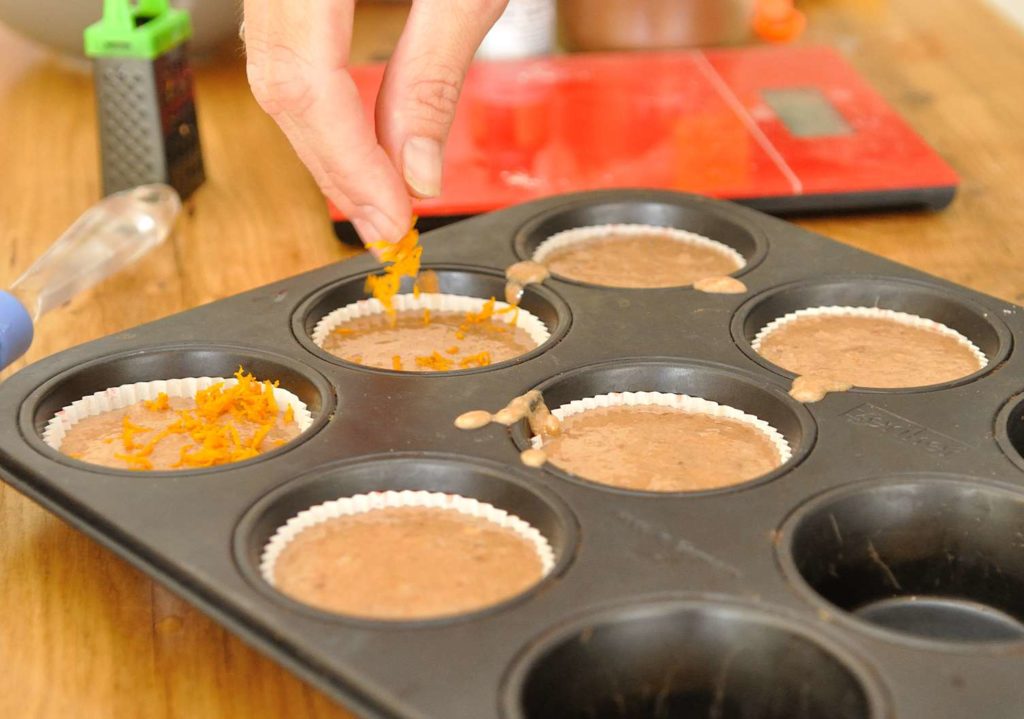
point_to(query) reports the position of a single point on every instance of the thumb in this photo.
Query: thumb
(421, 86)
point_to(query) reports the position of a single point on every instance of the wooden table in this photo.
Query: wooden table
(85, 635)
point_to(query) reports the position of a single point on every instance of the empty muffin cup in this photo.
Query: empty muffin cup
(429, 333)
(405, 555)
(178, 424)
(868, 347)
(662, 442)
(636, 255)
(668, 658)
(936, 558)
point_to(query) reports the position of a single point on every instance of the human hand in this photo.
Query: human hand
(298, 53)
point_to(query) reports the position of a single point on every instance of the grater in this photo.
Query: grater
(146, 109)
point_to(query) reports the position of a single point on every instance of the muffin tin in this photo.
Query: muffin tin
(878, 574)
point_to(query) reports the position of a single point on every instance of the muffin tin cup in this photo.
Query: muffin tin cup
(920, 559)
(690, 656)
(439, 303)
(1009, 430)
(475, 487)
(582, 235)
(869, 313)
(363, 503)
(688, 385)
(88, 387)
(542, 313)
(914, 302)
(114, 398)
(716, 223)
(682, 402)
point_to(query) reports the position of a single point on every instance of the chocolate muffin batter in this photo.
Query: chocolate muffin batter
(99, 439)
(649, 260)
(373, 341)
(660, 449)
(868, 351)
(406, 563)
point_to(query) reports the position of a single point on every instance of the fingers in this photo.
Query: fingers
(297, 52)
(422, 82)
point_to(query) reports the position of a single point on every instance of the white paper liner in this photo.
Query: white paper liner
(435, 302)
(360, 503)
(874, 313)
(686, 403)
(578, 235)
(128, 394)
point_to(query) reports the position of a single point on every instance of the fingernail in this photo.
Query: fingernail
(421, 165)
(376, 225)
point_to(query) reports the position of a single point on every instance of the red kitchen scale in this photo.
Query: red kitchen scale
(780, 128)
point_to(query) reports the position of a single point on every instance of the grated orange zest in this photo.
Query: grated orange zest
(402, 259)
(128, 432)
(161, 402)
(435, 361)
(481, 359)
(210, 426)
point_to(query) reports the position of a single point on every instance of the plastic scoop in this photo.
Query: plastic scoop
(111, 235)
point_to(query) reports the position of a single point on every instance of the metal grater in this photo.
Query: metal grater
(147, 114)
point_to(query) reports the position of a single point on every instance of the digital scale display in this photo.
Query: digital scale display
(806, 112)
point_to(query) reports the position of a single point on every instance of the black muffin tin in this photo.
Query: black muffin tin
(879, 573)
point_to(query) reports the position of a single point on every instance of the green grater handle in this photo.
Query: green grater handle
(119, 35)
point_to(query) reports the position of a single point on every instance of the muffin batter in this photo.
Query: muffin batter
(660, 449)
(406, 563)
(868, 351)
(170, 433)
(434, 342)
(640, 260)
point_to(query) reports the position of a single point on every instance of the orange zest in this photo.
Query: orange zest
(435, 361)
(402, 259)
(161, 402)
(128, 432)
(396, 362)
(481, 359)
(211, 425)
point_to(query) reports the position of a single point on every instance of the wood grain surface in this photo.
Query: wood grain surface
(83, 634)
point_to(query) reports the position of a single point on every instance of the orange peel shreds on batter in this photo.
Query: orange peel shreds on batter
(161, 402)
(426, 316)
(435, 361)
(453, 350)
(402, 259)
(259, 435)
(480, 359)
(128, 431)
(343, 331)
(211, 425)
(396, 362)
(247, 399)
(514, 309)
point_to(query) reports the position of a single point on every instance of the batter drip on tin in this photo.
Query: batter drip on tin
(529, 406)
